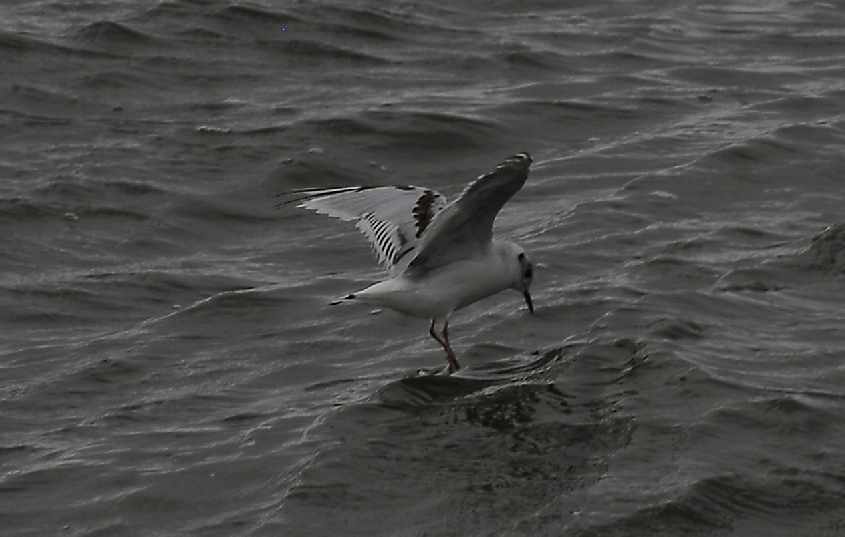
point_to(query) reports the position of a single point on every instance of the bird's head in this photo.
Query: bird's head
(526, 275)
(522, 271)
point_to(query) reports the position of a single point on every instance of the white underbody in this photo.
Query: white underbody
(445, 289)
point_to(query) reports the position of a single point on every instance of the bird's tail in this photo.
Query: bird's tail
(347, 298)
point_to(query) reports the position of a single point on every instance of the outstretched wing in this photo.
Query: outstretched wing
(465, 227)
(393, 218)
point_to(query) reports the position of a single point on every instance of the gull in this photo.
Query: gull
(440, 256)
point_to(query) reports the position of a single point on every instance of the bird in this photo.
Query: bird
(440, 256)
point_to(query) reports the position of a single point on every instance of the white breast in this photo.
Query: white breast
(443, 290)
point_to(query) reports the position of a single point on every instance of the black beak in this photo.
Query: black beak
(530, 304)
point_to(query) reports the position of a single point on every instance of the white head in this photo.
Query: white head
(522, 269)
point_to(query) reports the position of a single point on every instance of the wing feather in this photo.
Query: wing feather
(392, 218)
(466, 225)
(411, 227)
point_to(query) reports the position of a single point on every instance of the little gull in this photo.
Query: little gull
(440, 257)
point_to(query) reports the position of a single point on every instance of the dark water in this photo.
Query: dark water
(170, 364)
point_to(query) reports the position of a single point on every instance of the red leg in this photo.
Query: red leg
(450, 354)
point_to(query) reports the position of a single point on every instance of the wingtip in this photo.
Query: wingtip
(521, 160)
(301, 196)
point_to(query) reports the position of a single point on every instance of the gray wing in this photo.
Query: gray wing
(465, 227)
(393, 218)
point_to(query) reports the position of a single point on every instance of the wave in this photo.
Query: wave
(114, 80)
(22, 210)
(42, 101)
(71, 188)
(46, 49)
(71, 199)
(388, 130)
(826, 250)
(758, 279)
(720, 502)
(763, 149)
(253, 14)
(309, 50)
(110, 34)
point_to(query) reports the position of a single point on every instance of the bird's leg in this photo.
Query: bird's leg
(450, 354)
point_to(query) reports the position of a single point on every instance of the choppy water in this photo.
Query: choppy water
(169, 362)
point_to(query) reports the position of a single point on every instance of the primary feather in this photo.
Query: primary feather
(411, 227)
(392, 218)
(465, 227)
